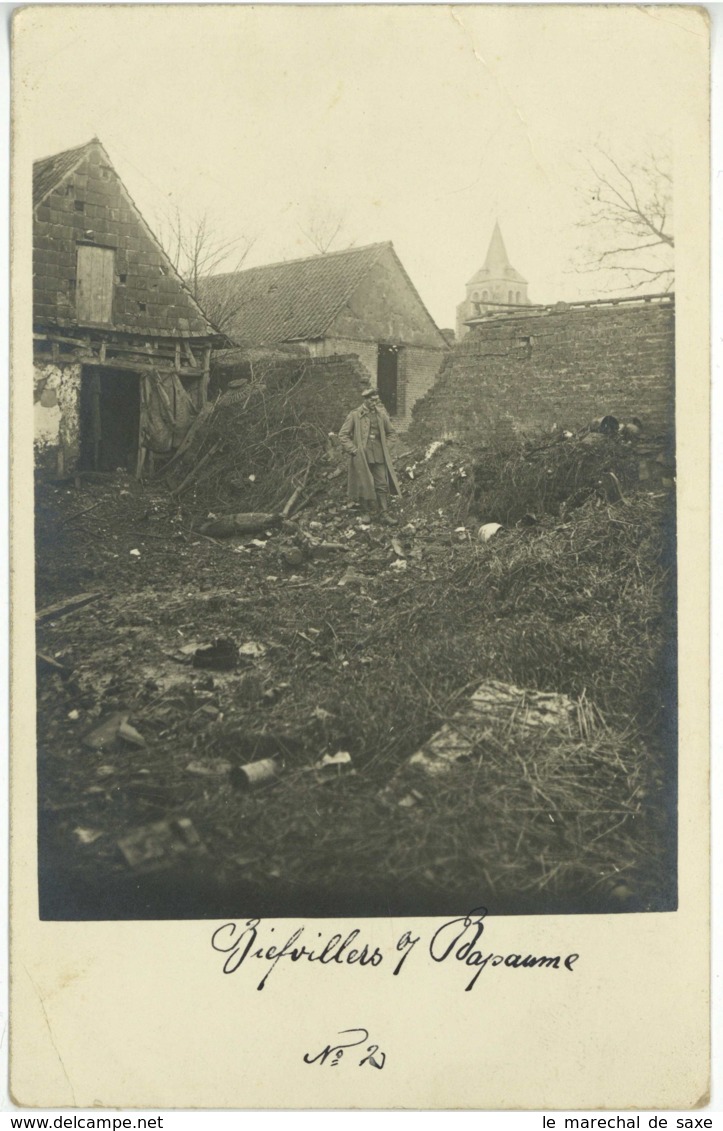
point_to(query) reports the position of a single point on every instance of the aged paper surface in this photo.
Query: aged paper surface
(139, 1014)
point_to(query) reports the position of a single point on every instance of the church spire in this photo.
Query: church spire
(497, 259)
(495, 288)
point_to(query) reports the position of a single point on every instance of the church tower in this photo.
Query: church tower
(494, 288)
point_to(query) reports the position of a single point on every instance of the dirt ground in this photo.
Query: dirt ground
(348, 654)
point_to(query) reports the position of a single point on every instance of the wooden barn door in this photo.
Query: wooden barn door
(94, 284)
(388, 377)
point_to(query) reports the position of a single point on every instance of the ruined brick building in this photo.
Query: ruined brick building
(121, 348)
(357, 302)
(496, 284)
(525, 371)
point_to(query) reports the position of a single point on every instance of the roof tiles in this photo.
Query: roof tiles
(298, 299)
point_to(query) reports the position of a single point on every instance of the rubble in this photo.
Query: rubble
(160, 845)
(492, 708)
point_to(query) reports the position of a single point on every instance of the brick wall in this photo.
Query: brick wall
(565, 367)
(148, 297)
(325, 389)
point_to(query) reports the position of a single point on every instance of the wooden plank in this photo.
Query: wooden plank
(70, 605)
(94, 288)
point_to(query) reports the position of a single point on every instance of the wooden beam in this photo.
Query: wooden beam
(70, 605)
(138, 367)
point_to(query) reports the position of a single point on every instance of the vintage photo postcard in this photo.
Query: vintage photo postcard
(360, 383)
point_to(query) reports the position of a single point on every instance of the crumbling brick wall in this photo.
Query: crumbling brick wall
(563, 366)
(324, 389)
(56, 396)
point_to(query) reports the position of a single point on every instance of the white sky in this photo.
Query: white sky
(418, 124)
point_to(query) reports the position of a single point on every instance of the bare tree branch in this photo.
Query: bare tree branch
(197, 250)
(634, 202)
(322, 229)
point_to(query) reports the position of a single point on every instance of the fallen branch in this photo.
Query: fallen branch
(196, 468)
(84, 511)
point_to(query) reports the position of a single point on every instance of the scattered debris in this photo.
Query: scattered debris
(63, 608)
(130, 735)
(488, 531)
(135, 553)
(320, 714)
(495, 706)
(210, 769)
(341, 758)
(105, 735)
(87, 836)
(253, 522)
(253, 649)
(47, 663)
(352, 576)
(221, 655)
(255, 773)
(159, 845)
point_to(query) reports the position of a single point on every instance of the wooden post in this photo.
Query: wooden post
(206, 376)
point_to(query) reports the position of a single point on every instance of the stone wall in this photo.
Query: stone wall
(559, 366)
(56, 397)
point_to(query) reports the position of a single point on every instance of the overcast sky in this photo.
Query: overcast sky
(419, 125)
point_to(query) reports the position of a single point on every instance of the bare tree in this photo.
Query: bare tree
(322, 228)
(629, 222)
(197, 250)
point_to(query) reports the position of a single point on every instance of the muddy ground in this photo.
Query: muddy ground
(350, 655)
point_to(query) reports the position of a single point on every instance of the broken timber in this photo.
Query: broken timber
(70, 605)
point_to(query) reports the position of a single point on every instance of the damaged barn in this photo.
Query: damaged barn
(121, 348)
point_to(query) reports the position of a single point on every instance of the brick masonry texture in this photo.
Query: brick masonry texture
(93, 198)
(324, 389)
(562, 367)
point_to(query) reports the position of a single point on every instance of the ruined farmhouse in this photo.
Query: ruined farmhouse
(357, 302)
(121, 348)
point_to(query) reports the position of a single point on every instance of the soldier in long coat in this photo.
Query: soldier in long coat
(363, 435)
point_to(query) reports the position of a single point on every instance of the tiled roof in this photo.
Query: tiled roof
(48, 172)
(298, 299)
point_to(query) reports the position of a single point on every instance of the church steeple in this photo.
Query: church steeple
(495, 287)
(497, 260)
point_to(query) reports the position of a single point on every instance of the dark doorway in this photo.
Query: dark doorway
(109, 419)
(388, 377)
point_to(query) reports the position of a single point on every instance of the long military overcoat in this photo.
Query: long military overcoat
(353, 436)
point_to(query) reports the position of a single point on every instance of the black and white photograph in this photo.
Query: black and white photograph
(355, 458)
